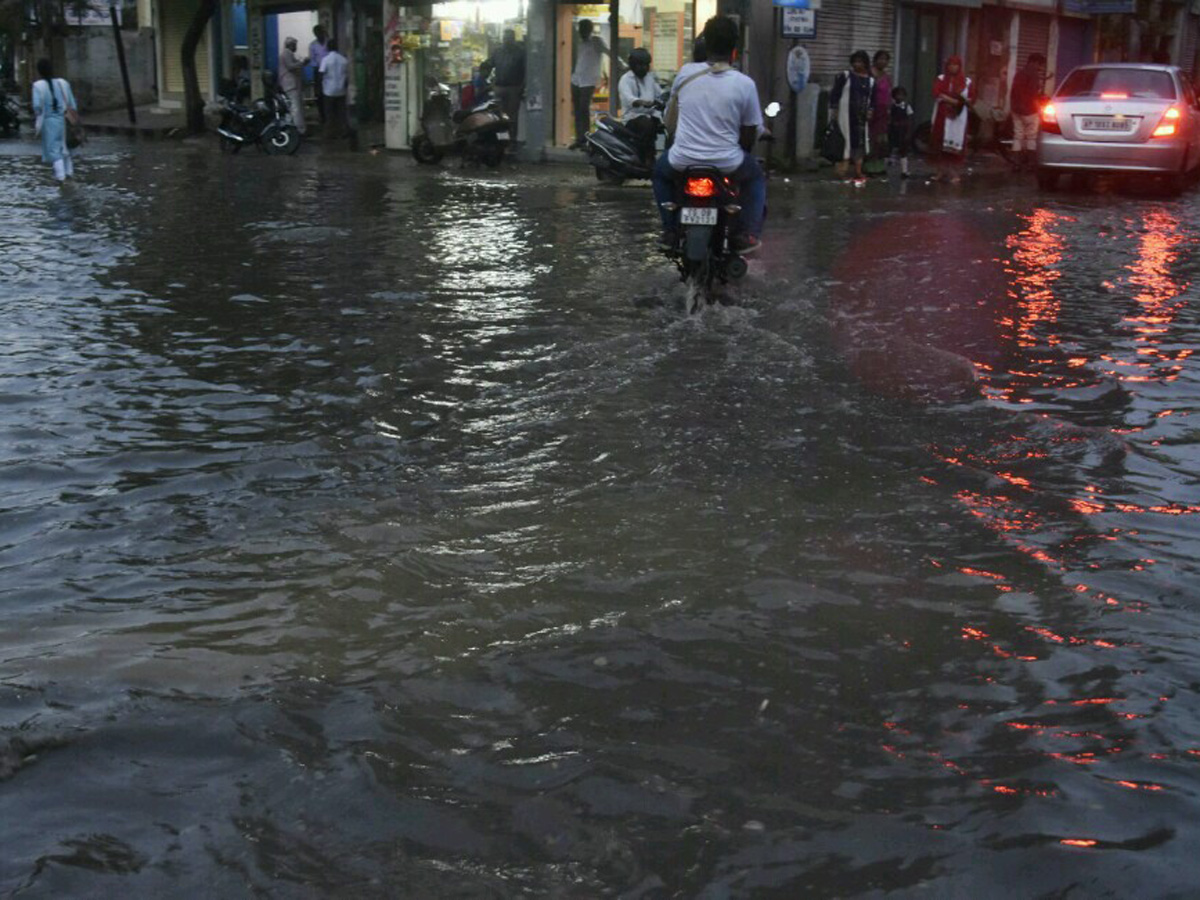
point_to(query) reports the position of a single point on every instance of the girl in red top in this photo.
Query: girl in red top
(954, 93)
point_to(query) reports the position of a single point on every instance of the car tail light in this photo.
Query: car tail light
(1169, 124)
(1050, 119)
(700, 187)
(1114, 96)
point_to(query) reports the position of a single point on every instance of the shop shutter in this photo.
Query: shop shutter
(174, 17)
(1033, 36)
(829, 53)
(874, 26)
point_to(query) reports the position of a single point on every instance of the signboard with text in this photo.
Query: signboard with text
(799, 23)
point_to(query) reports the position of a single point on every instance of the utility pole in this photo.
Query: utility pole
(112, 13)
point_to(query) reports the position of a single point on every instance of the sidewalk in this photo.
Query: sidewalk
(152, 123)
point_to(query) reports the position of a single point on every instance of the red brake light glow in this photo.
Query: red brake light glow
(1116, 96)
(1050, 119)
(700, 187)
(1168, 125)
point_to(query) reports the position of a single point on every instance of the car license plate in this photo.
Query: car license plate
(697, 215)
(502, 135)
(1113, 124)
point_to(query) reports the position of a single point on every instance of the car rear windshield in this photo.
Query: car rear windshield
(1143, 84)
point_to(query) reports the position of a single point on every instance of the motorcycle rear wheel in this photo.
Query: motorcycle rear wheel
(425, 151)
(491, 155)
(281, 141)
(607, 176)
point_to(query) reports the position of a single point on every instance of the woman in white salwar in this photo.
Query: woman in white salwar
(52, 97)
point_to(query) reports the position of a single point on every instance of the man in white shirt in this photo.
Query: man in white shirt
(639, 91)
(333, 83)
(585, 78)
(719, 121)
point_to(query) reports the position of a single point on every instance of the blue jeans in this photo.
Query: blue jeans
(752, 182)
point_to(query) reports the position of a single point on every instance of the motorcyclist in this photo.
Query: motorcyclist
(719, 120)
(640, 92)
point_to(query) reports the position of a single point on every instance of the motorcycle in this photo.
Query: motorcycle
(481, 134)
(266, 122)
(706, 207)
(10, 115)
(617, 152)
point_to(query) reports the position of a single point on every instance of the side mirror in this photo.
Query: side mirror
(772, 109)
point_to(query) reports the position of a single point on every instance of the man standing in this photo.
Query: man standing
(508, 63)
(1025, 102)
(333, 75)
(639, 91)
(585, 78)
(291, 81)
(718, 122)
(316, 53)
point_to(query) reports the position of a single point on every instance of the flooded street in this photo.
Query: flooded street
(372, 532)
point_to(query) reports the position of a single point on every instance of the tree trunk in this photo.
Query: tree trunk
(191, 82)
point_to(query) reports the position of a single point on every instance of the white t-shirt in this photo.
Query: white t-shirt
(333, 75)
(587, 64)
(713, 109)
(631, 88)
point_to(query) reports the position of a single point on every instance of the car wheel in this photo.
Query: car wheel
(1047, 180)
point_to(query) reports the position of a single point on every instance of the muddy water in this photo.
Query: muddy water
(374, 533)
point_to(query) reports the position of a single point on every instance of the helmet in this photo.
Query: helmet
(639, 56)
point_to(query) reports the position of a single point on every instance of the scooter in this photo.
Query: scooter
(480, 134)
(266, 122)
(10, 115)
(617, 152)
(705, 209)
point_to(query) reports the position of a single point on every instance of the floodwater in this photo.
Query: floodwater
(373, 532)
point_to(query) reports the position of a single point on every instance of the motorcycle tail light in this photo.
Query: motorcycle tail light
(1050, 119)
(700, 187)
(1169, 124)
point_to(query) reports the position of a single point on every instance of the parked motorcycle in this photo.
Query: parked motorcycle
(706, 207)
(480, 134)
(618, 152)
(266, 122)
(10, 115)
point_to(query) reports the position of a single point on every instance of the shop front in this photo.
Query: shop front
(666, 28)
(930, 33)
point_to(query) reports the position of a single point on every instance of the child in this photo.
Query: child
(900, 128)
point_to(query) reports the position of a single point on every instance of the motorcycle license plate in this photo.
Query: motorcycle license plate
(696, 215)
(502, 135)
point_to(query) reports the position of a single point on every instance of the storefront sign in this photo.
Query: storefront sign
(799, 23)
(793, 4)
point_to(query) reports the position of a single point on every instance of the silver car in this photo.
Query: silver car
(1123, 118)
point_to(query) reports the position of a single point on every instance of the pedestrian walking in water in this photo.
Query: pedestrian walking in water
(52, 98)
(953, 94)
(508, 64)
(850, 103)
(900, 120)
(333, 76)
(1025, 102)
(291, 81)
(881, 105)
(585, 78)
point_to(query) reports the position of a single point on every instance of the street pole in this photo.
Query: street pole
(614, 37)
(112, 13)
